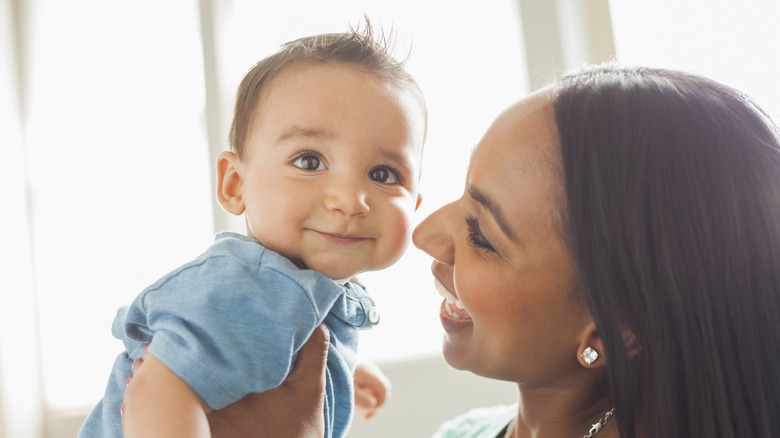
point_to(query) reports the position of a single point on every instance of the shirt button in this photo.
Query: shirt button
(373, 315)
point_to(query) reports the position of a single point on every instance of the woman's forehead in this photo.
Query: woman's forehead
(517, 162)
(523, 137)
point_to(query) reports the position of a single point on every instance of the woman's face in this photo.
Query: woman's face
(499, 252)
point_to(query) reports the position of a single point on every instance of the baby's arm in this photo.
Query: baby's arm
(372, 389)
(160, 404)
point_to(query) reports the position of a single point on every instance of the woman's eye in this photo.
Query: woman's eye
(475, 236)
(309, 162)
(384, 175)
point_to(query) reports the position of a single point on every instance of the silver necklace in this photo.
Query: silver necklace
(598, 425)
(596, 428)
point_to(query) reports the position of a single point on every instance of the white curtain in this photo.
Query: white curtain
(105, 185)
(20, 391)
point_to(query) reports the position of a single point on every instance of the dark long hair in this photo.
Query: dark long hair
(672, 203)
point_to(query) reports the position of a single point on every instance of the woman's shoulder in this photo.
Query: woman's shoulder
(478, 423)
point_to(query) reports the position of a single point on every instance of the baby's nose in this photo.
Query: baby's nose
(347, 196)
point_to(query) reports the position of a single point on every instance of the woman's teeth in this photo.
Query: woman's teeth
(446, 294)
(454, 307)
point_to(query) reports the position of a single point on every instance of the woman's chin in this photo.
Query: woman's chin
(455, 353)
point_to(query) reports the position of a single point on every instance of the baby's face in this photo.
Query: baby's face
(331, 168)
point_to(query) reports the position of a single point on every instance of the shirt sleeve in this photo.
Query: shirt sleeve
(225, 328)
(478, 423)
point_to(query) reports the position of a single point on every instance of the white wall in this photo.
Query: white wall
(427, 392)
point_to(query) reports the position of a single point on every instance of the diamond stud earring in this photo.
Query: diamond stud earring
(589, 355)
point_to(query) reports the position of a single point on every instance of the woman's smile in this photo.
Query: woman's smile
(453, 314)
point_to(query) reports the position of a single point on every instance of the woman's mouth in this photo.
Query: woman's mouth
(451, 304)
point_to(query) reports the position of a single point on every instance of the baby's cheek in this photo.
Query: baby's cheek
(402, 228)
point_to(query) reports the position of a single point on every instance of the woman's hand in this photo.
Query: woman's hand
(293, 409)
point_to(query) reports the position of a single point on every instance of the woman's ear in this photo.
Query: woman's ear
(590, 351)
(230, 183)
(632, 346)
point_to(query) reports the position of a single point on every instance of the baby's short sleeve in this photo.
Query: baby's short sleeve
(228, 324)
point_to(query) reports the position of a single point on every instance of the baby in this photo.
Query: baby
(326, 151)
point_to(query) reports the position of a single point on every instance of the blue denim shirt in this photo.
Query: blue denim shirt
(231, 322)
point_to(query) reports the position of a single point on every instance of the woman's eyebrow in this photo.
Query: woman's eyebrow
(493, 208)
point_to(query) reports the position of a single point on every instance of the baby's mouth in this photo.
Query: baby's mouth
(451, 304)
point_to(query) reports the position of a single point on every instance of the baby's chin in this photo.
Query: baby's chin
(340, 274)
(333, 269)
(343, 281)
(341, 269)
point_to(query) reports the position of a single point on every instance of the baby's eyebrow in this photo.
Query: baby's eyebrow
(299, 133)
(405, 163)
(391, 154)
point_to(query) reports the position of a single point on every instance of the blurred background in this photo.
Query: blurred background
(112, 114)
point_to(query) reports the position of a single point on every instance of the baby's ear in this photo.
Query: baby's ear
(230, 183)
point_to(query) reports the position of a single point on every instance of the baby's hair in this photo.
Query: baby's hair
(359, 48)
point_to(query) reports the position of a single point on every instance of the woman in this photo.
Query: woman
(616, 252)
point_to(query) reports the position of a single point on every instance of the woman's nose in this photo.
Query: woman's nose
(348, 196)
(433, 235)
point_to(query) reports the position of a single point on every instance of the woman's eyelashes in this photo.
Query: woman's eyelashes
(475, 236)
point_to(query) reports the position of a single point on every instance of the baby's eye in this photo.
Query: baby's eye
(384, 175)
(308, 161)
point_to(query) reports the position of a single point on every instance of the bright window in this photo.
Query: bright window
(733, 42)
(117, 167)
(118, 157)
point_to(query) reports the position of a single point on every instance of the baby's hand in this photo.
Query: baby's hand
(372, 389)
